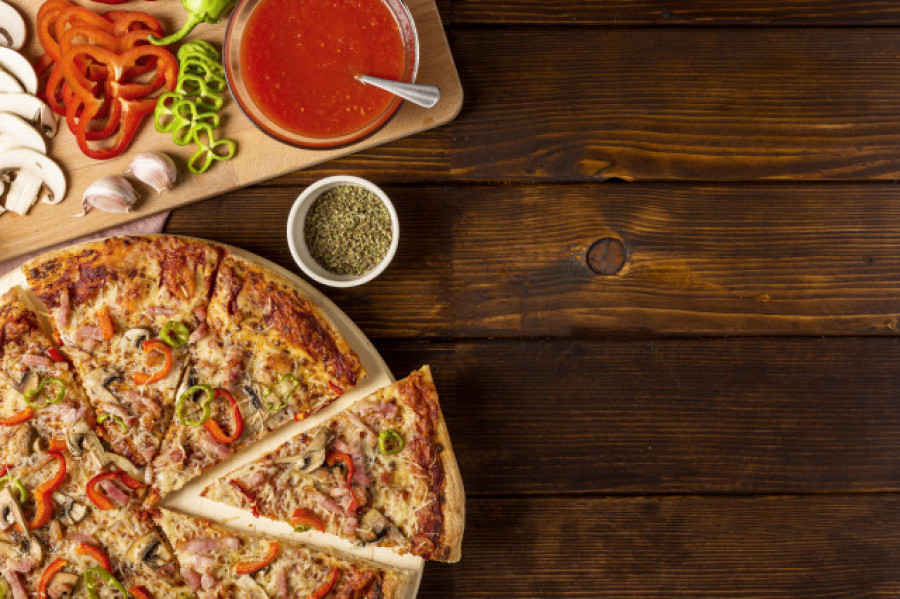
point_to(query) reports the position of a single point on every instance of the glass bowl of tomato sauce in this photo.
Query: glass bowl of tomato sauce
(292, 66)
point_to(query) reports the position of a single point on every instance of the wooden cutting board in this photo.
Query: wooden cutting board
(259, 157)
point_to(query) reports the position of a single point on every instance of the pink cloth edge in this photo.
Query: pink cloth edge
(151, 224)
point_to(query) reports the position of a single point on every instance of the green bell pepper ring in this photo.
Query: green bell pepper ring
(199, 11)
(390, 442)
(208, 150)
(175, 334)
(14, 481)
(31, 394)
(117, 419)
(181, 118)
(198, 48)
(273, 407)
(210, 72)
(181, 405)
(90, 582)
(194, 85)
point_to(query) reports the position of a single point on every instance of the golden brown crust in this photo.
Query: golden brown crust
(447, 520)
(262, 308)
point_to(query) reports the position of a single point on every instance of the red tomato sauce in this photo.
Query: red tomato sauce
(300, 57)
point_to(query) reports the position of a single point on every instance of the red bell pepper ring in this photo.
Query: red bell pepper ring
(56, 355)
(140, 592)
(58, 445)
(305, 517)
(334, 457)
(43, 509)
(213, 427)
(150, 346)
(18, 418)
(96, 553)
(48, 575)
(249, 567)
(98, 497)
(323, 590)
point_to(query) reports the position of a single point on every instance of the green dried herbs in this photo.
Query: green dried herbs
(348, 230)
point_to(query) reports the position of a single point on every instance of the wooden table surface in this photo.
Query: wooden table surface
(655, 263)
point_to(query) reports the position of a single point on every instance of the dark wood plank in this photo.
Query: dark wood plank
(726, 104)
(826, 546)
(680, 12)
(757, 415)
(512, 260)
(708, 104)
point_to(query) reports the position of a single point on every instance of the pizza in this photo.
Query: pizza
(221, 563)
(381, 472)
(133, 365)
(266, 356)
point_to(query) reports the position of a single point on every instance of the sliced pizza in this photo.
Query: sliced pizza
(381, 472)
(36, 381)
(267, 356)
(220, 563)
(68, 513)
(124, 310)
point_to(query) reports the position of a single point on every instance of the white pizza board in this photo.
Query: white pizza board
(188, 499)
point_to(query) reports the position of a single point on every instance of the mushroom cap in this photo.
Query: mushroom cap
(9, 84)
(16, 132)
(31, 108)
(12, 27)
(19, 67)
(31, 163)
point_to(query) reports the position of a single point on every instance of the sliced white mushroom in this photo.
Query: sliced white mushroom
(18, 66)
(12, 27)
(16, 132)
(32, 109)
(34, 172)
(9, 84)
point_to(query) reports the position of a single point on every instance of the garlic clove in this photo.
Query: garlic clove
(112, 193)
(155, 169)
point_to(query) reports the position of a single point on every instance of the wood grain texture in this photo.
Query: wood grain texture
(512, 260)
(831, 546)
(667, 416)
(678, 12)
(709, 104)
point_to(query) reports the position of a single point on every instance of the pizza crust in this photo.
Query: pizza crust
(453, 506)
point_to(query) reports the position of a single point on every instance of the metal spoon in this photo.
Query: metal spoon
(421, 95)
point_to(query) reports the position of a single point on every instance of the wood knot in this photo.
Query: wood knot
(606, 256)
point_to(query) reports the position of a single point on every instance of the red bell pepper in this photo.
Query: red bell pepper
(337, 390)
(213, 427)
(249, 567)
(104, 320)
(43, 509)
(334, 457)
(140, 592)
(56, 355)
(150, 346)
(48, 575)
(98, 497)
(96, 553)
(18, 418)
(327, 586)
(305, 517)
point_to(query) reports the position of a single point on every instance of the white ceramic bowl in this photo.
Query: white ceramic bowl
(297, 240)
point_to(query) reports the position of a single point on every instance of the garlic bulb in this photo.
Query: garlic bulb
(109, 194)
(155, 169)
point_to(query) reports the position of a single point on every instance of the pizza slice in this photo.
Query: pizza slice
(36, 382)
(68, 519)
(268, 355)
(381, 472)
(124, 310)
(219, 562)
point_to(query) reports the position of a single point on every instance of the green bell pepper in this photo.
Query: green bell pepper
(199, 11)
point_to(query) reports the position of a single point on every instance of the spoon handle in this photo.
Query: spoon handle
(421, 95)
